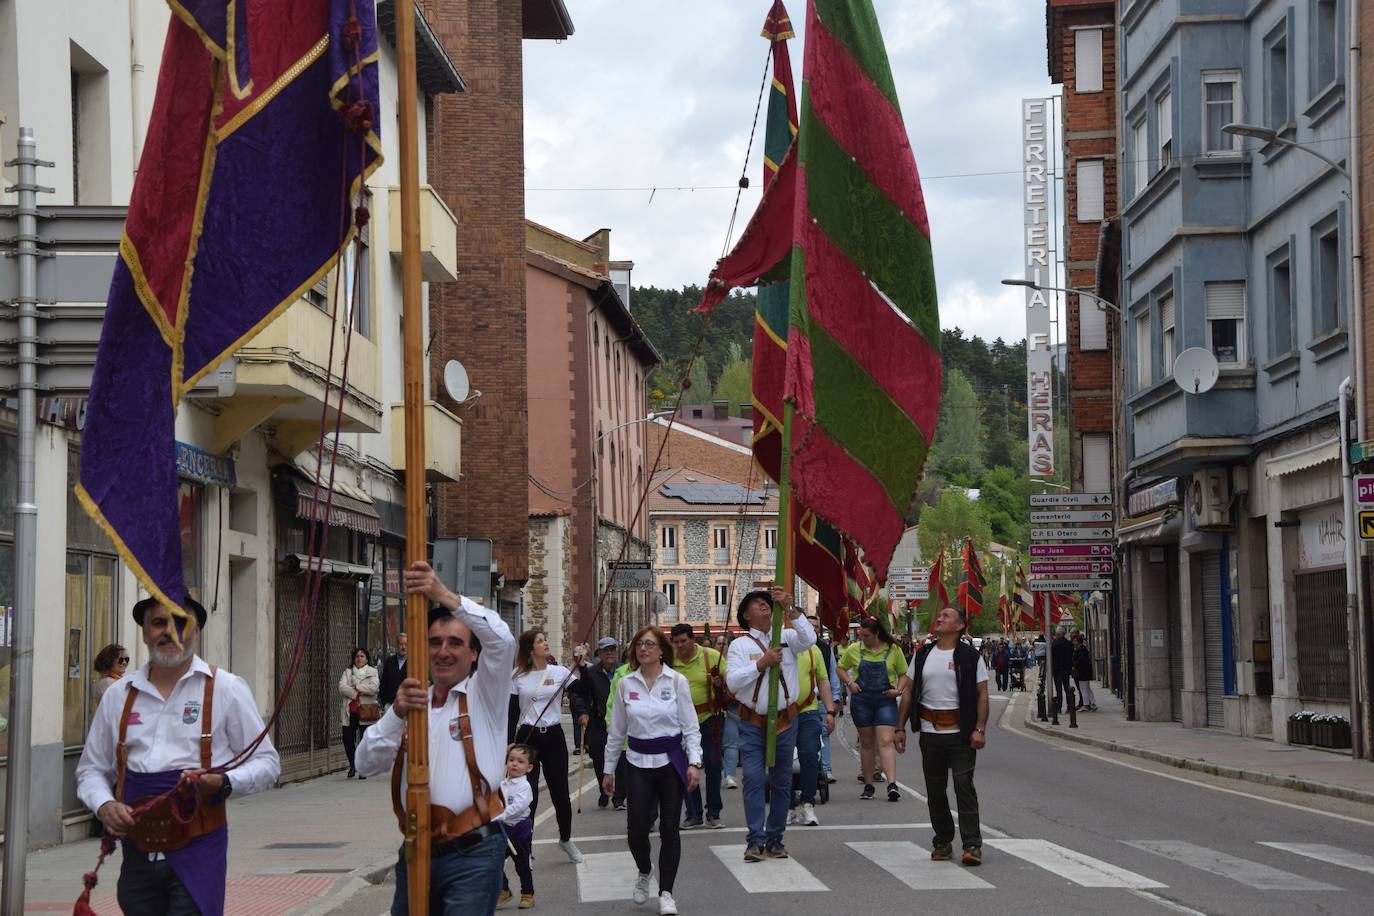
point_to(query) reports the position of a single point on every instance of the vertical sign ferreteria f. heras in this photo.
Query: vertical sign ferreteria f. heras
(1039, 367)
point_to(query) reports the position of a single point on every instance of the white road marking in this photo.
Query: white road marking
(1332, 854)
(1082, 870)
(911, 865)
(771, 876)
(609, 876)
(1253, 874)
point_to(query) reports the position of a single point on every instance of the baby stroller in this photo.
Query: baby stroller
(822, 785)
(1016, 674)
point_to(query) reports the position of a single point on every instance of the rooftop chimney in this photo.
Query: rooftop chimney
(720, 410)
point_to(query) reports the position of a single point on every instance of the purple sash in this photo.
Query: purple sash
(202, 864)
(521, 830)
(668, 744)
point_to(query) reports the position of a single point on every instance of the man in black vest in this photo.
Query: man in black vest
(948, 703)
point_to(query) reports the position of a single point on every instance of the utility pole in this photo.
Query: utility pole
(25, 531)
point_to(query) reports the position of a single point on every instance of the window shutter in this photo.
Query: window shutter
(1092, 325)
(1087, 60)
(1166, 313)
(1225, 300)
(1089, 186)
(1097, 463)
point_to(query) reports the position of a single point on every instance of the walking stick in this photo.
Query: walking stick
(581, 762)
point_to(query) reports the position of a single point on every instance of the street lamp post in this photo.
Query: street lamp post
(1268, 135)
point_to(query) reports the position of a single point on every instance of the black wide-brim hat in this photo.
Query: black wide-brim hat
(744, 603)
(190, 604)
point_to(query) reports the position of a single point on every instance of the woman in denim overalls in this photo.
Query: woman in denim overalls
(869, 669)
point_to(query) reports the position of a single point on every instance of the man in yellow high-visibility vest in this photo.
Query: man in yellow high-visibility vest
(701, 666)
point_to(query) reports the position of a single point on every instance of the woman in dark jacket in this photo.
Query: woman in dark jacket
(1083, 673)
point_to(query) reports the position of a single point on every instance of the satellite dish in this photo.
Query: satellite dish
(456, 381)
(1195, 370)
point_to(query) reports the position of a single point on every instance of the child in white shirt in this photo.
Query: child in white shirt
(518, 821)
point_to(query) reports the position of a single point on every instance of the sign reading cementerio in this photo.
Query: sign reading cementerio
(1039, 368)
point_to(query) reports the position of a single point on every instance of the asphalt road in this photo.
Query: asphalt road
(1067, 831)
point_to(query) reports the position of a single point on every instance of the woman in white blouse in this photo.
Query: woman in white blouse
(358, 686)
(538, 688)
(652, 709)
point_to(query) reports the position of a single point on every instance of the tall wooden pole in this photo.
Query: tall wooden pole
(412, 319)
(783, 576)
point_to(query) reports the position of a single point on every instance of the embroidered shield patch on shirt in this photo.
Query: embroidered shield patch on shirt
(666, 693)
(634, 694)
(455, 732)
(135, 718)
(190, 712)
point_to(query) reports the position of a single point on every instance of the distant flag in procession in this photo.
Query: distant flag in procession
(1004, 613)
(262, 133)
(971, 589)
(845, 217)
(1022, 600)
(937, 579)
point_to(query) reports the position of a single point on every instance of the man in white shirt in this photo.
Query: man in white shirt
(949, 696)
(468, 847)
(175, 717)
(747, 663)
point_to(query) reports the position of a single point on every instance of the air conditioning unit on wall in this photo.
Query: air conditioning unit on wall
(1209, 500)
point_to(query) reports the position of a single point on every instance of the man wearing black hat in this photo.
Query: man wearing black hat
(747, 665)
(175, 717)
(588, 696)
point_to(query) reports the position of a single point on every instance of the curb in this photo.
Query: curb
(346, 887)
(1202, 766)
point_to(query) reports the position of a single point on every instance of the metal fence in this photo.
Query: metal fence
(307, 734)
(1322, 640)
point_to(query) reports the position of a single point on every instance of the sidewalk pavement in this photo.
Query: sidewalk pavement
(300, 849)
(1207, 750)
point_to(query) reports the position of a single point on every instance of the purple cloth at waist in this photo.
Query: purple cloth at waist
(201, 865)
(667, 744)
(522, 829)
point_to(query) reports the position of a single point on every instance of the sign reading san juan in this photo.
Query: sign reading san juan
(1047, 551)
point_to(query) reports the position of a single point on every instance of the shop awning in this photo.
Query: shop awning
(1153, 527)
(1303, 459)
(328, 567)
(355, 512)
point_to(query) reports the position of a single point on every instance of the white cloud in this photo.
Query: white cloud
(662, 95)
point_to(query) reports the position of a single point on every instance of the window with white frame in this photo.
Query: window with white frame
(1325, 30)
(1164, 129)
(1087, 60)
(1280, 302)
(1097, 463)
(720, 598)
(720, 545)
(669, 589)
(667, 542)
(1167, 351)
(770, 546)
(1225, 308)
(1090, 186)
(1277, 97)
(1220, 106)
(1140, 155)
(1144, 361)
(1326, 276)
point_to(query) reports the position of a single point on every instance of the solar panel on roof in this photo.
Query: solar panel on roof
(713, 493)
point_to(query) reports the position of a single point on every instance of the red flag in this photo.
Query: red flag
(971, 589)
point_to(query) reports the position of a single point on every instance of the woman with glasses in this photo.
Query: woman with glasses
(110, 664)
(652, 710)
(359, 687)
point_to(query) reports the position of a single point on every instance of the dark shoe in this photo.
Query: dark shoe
(692, 823)
(362, 777)
(973, 855)
(878, 776)
(754, 854)
(777, 851)
(602, 802)
(941, 852)
(829, 779)
(867, 794)
(352, 772)
(892, 793)
(620, 806)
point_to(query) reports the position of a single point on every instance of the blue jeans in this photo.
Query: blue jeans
(825, 750)
(711, 755)
(810, 727)
(460, 883)
(729, 758)
(779, 779)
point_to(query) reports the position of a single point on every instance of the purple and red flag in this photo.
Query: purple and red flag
(261, 135)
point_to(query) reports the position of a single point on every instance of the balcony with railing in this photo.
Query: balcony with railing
(667, 556)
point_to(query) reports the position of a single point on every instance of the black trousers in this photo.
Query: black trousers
(655, 792)
(352, 734)
(521, 857)
(1061, 687)
(152, 888)
(552, 749)
(595, 736)
(941, 755)
(1001, 678)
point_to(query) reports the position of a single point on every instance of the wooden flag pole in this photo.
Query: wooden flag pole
(782, 577)
(417, 843)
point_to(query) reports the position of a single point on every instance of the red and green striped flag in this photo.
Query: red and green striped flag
(971, 589)
(863, 355)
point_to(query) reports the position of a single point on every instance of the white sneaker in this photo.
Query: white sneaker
(572, 852)
(806, 815)
(666, 904)
(641, 889)
(792, 817)
(730, 783)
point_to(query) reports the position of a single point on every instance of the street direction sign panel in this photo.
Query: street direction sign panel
(632, 576)
(1359, 451)
(1364, 489)
(1072, 534)
(1071, 499)
(1070, 585)
(1366, 525)
(1046, 551)
(1082, 568)
(1056, 516)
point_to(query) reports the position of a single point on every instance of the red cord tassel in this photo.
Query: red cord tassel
(89, 879)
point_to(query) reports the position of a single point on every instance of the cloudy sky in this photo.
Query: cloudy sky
(661, 94)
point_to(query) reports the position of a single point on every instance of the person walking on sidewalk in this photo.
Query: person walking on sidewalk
(832, 684)
(174, 718)
(589, 696)
(1061, 659)
(518, 820)
(358, 686)
(1001, 663)
(467, 749)
(874, 671)
(812, 727)
(700, 665)
(652, 711)
(747, 667)
(538, 687)
(1083, 673)
(948, 703)
(392, 673)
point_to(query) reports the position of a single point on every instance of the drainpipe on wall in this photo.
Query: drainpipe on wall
(135, 85)
(1351, 576)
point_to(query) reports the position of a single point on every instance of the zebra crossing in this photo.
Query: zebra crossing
(609, 876)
